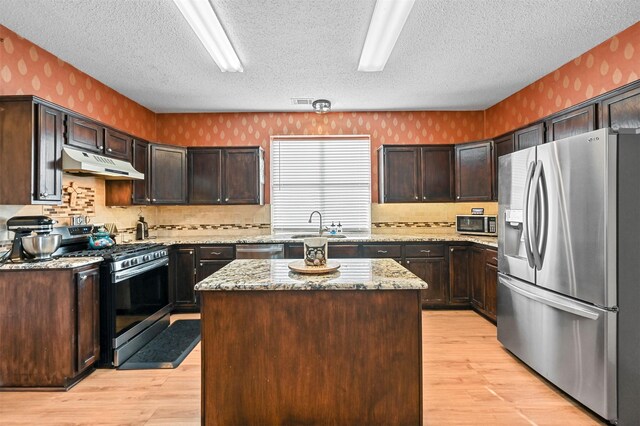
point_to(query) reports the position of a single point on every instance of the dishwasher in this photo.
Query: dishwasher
(260, 251)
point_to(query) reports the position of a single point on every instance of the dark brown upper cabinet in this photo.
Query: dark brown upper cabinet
(140, 162)
(243, 175)
(91, 136)
(621, 110)
(528, 137)
(31, 138)
(474, 171)
(413, 174)
(571, 123)
(85, 134)
(502, 146)
(117, 145)
(168, 170)
(205, 173)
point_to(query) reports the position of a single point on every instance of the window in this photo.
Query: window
(331, 175)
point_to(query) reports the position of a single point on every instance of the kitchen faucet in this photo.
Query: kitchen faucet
(320, 228)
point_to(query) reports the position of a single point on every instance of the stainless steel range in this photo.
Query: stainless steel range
(134, 292)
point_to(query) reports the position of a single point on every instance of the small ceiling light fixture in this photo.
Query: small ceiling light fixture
(321, 106)
(204, 22)
(386, 24)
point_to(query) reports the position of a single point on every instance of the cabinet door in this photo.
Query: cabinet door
(117, 145)
(208, 267)
(84, 134)
(183, 276)
(341, 251)
(528, 137)
(205, 171)
(242, 182)
(400, 174)
(491, 289)
(502, 146)
(474, 171)
(168, 174)
(570, 124)
(459, 275)
(48, 151)
(621, 111)
(88, 318)
(140, 161)
(437, 173)
(434, 272)
(476, 272)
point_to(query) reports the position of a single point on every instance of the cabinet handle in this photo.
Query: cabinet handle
(100, 147)
(458, 197)
(494, 258)
(83, 277)
(416, 197)
(190, 251)
(408, 261)
(109, 149)
(218, 199)
(382, 251)
(217, 253)
(154, 200)
(226, 199)
(425, 251)
(451, 250)
(424, 198)
(44, 194)
(148, 199)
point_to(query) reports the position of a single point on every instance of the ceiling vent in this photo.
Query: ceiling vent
(301, 101)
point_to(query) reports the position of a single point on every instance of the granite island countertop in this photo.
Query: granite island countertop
(60, 263)
(274, 274)
(350, 238)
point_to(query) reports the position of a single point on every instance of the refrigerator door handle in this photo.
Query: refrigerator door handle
(536, 206)
(567, 307)
(543, 230)
(527, 215)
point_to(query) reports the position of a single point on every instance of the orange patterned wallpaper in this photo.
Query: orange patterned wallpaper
(26, 69)
(607, 66)
(254, 129)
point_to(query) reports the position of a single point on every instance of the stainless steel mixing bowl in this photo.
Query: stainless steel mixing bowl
(41, 246)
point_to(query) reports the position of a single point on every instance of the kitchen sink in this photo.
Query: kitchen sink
(296, 236)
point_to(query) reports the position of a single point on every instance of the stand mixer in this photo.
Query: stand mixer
(23, 226)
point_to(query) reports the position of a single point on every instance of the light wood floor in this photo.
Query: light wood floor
(468, 380)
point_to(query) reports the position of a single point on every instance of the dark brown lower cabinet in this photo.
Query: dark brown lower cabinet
(483, 268)
(434, 272)
(50, 335)
(182, 278)
(476, 271)
(458, 275)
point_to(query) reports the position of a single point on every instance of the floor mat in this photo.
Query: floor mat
(167, 349)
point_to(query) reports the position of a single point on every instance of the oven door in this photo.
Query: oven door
(140, 298)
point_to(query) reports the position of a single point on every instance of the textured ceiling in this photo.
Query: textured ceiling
(451, 55)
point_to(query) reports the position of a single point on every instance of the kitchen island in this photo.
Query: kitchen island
(284, 348)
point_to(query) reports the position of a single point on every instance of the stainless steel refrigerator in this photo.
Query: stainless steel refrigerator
(568, 260)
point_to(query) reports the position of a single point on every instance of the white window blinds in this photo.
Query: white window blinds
(332, 175)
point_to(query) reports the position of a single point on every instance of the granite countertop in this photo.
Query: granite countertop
(274, 274)
(353, 238)
(61, 263)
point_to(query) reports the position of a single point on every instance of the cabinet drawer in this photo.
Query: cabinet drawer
(491, 257)
(381, 250)
(337, 251)
(424, 250)
(215, 252)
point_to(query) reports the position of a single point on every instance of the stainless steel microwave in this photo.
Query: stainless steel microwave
(477, 224)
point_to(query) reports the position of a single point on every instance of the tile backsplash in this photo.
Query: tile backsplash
(168, 221)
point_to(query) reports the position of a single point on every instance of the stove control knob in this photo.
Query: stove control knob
(145, 258)
(134, 261)
(125, 263)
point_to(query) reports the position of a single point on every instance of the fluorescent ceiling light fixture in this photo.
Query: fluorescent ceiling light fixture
(386, 24)
(204, 22)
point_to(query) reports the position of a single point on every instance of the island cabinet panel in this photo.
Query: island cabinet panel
(528, 137)
(474, 171)
(327, 357)
(459, 275)
(571, 123)
(49, 332)
(168, 166)
(621, 110)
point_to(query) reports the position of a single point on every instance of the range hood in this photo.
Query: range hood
(77, 161)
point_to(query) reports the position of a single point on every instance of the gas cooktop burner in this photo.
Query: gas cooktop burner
(117, 252)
